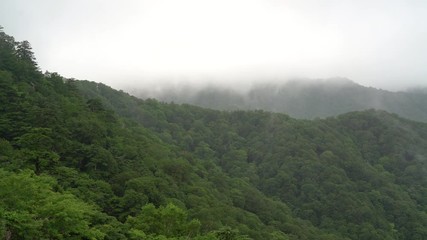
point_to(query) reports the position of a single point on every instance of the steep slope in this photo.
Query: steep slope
(303, 99)
(80, 160)
(72, 169)
(361, 175)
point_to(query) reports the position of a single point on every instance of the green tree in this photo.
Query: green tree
(25, 53)
(168, 221)
(30, 208)
(36, 149)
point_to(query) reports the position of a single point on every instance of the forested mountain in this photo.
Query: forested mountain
(80, 160)
(301, 99)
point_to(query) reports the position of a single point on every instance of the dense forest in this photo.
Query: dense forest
(304, 99)
(80, 160)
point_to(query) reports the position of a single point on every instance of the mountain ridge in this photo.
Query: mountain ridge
(305, 99)
(81, 160)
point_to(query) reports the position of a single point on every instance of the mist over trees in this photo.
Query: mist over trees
(306, 99)
(80, 160)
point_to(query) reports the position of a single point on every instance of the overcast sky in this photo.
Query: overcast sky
(380, 43)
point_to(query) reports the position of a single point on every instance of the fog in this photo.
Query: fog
(151, 44)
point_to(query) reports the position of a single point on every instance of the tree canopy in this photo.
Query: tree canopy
(80, 160)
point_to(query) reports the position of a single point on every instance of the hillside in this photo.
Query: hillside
(80, 160)
(301, 99)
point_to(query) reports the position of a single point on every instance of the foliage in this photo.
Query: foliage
(81, 160)
(30, 208)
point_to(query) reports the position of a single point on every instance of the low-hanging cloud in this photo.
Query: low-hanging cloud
(377, 43)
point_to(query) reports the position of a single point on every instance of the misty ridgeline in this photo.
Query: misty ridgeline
(302, 98)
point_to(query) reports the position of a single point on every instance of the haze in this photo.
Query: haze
(126, 43)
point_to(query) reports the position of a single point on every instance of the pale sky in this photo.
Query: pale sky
(379, 43)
